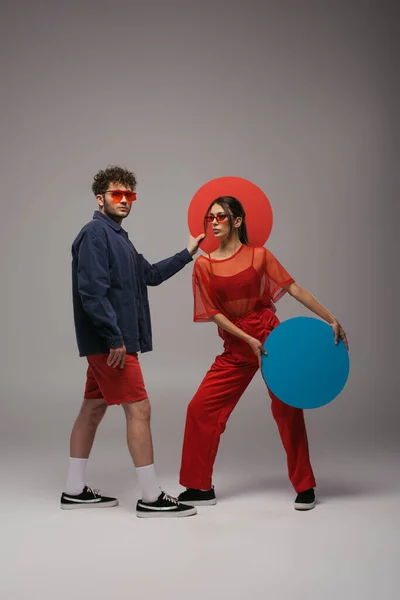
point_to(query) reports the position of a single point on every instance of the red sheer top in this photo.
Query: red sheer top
(251, 279)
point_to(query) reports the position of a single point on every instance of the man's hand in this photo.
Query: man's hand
(116, 357)
(193, 244)
(257, 348)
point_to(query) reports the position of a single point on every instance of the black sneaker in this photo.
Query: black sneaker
(197, 497)
(87, 499)
(305, 500)
(165, 506)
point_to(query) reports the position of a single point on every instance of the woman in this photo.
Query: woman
(237, 287)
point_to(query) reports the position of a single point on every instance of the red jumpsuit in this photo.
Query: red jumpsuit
(244, 288)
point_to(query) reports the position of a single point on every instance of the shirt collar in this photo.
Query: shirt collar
(110, 222)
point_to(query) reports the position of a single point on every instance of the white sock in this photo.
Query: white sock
(148, 483)
(76, 476)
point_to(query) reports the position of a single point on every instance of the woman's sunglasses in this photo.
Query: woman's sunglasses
(117, 195)
(220, 218)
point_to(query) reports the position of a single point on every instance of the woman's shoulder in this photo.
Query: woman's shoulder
(260, 250)
(263, 250)
(202, 262)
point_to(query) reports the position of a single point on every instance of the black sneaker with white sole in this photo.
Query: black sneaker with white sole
(305, 500)
(87, 499)
(165, 506)
(198, 497)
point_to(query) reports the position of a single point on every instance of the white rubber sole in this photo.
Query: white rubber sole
(166, 514)
(89, 505)
(309, 506)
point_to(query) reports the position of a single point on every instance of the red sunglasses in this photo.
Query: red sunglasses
(220, 218)
(117, 195)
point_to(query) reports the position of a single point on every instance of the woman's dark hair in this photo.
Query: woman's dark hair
(233, 209)
(113, 174)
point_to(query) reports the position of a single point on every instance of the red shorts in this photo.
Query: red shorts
(114, 384)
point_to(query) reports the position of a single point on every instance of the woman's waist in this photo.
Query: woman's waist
(256, 314)
(255, 323)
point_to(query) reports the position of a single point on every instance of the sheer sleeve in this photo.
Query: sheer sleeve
(204, 305)
(278, 277)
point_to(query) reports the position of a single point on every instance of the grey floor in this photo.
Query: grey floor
(251, 544)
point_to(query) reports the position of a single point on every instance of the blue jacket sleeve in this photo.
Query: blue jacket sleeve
(93, 286)
(164, 269)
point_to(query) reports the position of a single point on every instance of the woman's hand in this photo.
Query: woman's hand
(257, 348)
(339, 333)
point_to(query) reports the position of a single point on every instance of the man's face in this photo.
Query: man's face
(114, 203)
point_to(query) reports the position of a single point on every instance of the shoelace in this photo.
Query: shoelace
(96, 493)
(169, 498)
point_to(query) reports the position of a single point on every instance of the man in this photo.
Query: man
(112, 323)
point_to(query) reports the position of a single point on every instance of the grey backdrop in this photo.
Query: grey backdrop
(299, 97)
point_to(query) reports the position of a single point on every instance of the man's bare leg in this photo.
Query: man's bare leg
(85, 427)
(153, 503)
(77, 494)
(140, 446)
(81, 442)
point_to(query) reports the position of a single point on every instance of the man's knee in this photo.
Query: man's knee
(138, 410)
(94, 410)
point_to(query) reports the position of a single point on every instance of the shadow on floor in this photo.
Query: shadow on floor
(326, 488)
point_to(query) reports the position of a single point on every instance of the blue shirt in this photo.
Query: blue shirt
(109, 287)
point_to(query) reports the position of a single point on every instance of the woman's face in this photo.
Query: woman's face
(220, 225)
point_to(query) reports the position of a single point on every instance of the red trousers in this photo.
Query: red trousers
(217, 396)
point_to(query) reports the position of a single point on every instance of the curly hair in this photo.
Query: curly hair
(113, 174)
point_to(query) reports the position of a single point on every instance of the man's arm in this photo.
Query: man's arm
(158, 272)
(93, 286)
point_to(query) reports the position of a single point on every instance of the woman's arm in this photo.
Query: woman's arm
(305, 298)
(228, 326)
